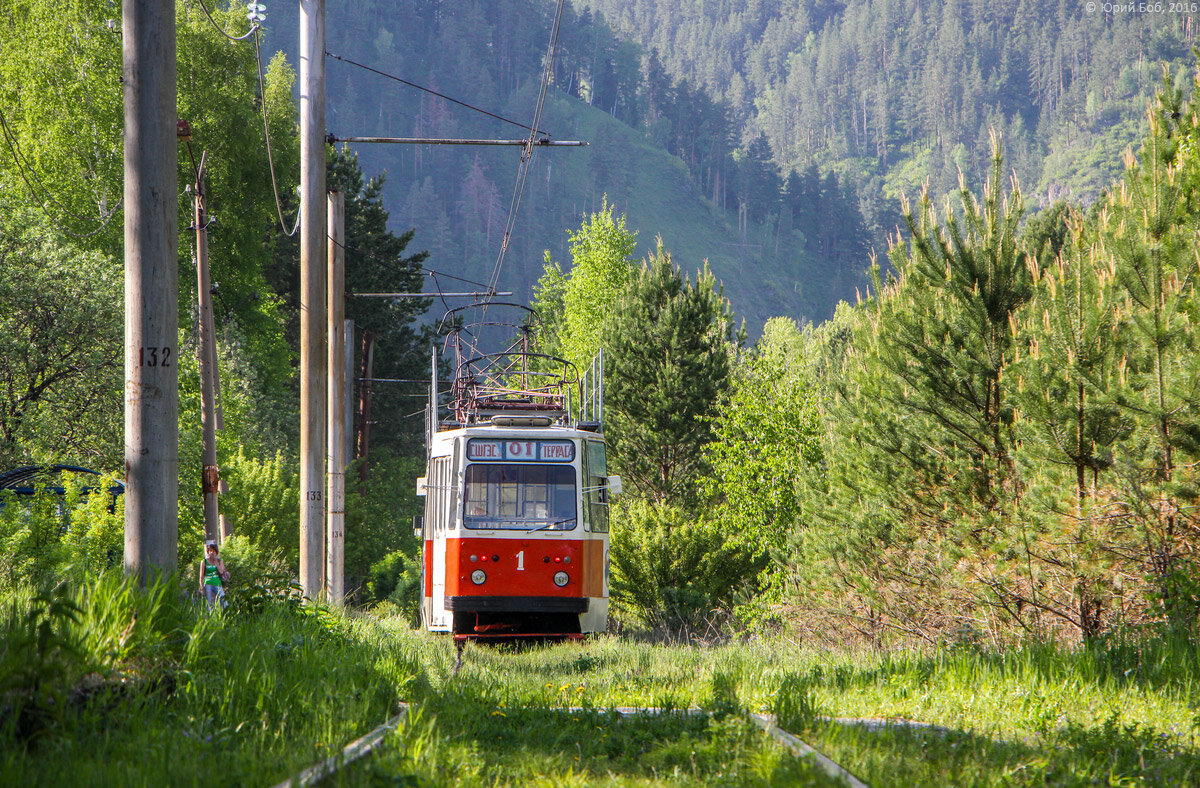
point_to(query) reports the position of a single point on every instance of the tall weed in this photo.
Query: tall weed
(39, 659)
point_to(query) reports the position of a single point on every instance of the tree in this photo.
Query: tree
(671, 345)
(479, 206)
(60, 347)
(949, 336)
(61, 152)
(907, 518)
(376, 261)
(1148, 234)
(575, 306)
(62, 113)
(1063, 374)
(764, 436)
(1066, 368)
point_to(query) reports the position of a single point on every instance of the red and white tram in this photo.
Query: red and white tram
(515, 530)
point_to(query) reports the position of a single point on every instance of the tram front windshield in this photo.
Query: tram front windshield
(520, 497)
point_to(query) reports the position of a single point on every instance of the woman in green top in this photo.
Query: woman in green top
(213, 574)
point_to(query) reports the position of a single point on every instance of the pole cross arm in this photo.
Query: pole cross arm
(541, 143)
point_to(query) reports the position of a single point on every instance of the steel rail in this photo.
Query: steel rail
(350, 753)
(796, 745)
(366, 744)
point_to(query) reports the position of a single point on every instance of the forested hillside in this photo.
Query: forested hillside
(773, 139)
(664, 153)
(893, 92)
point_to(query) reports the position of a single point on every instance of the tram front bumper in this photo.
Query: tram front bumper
(517, 604)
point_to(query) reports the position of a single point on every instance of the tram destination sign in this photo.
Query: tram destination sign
(484, 450)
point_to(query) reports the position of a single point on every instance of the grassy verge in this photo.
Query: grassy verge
(141, 689)
(153, 690)
(1113, 715)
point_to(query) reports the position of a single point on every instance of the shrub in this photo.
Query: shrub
(258, 576)
(673, 570)
(396, 578)
(44, 535)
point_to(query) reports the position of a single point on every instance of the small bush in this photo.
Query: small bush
(396, 579)
(258, 576)
(673, 570)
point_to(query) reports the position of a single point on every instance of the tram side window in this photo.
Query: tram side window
(596, 468)
(538, 497)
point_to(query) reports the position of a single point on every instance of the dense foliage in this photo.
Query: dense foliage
(1011, 436)
(60, 293)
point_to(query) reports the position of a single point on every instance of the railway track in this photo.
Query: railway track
(377, 738)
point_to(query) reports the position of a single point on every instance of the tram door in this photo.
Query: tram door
(596, 500)
(440, 510)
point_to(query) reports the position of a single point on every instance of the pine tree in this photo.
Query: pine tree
(1147, 230)
(670, 345)
(377, 260)
(906, 520)
(949, 337)
(1064, 375)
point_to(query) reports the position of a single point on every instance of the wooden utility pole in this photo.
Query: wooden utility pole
(348, 401)
(312, 298)
(335, 462)
(364, 403)
(207, 356)
(151, 289)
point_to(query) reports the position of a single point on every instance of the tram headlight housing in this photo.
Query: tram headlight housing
(561, 579)
(478, 577)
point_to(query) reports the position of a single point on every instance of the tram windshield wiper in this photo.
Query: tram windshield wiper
(551, 525)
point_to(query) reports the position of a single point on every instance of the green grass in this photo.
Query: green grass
(149, 690)
(1036, 716)
(161, 692)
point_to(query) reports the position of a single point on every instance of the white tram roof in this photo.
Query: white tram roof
(447, 434)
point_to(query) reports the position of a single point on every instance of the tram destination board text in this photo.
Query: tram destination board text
(499, 450)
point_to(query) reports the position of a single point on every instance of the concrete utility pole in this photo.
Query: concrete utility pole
(151, 289)
(335, 462)
(312, 297)
(207, 356)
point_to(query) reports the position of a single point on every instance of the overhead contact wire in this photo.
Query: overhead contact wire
(431, 92)
(253, 28)
(262, 92)
(528, 150)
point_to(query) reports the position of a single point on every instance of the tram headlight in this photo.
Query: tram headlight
(478, 576)
(560, 579)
